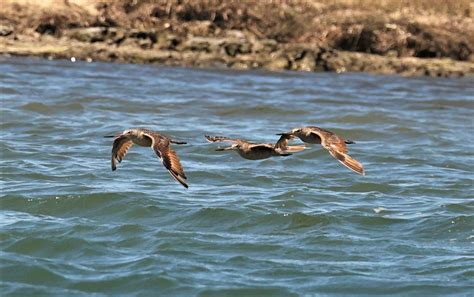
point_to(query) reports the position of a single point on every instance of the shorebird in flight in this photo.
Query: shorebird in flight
(335, 144)
(158, 142)
(256, 151)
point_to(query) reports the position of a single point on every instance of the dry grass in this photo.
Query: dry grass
(448, 7)
(423, 28)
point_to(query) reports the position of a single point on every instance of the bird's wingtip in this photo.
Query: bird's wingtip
(210, 138)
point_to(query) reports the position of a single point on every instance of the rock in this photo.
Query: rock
(47, 28)
(5, 30)
(115, 35)
(141, 34)
(199, 28)
(235, 34)
(97, 34)
(145, 43)
(302, 57)
(277, 62)
(92, 34)
(432, 42)
(202, 44)
(322, 58)
(377, 38)
(470, 58)
(264, 46)
(168, 41)
(295, 53)
(232, 48)
(308, 63)
(335, 62)
(239, 66)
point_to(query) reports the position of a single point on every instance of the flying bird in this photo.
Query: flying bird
(158, 142)
(255, 151)
(335, 144)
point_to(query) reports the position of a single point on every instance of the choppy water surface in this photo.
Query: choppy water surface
(299, 225)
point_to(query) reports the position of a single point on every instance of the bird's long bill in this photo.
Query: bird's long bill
(113, 136)
(230, 148)
(286, 133)
(294, 148)
(178, 142)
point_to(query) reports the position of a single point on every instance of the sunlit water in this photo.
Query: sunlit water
(298, 225)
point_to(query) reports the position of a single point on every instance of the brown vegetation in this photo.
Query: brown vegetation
(300, 35)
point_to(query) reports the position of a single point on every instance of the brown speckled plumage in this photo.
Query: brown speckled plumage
(158, 142)
(255, 151)
(335, 144)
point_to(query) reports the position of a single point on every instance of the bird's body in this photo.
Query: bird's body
(158, 142)
(141, 139)
(336, 145)
(261, 151)
(254, 151)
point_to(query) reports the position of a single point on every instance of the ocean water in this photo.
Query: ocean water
(302, 225)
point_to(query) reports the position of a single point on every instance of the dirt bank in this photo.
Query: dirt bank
(416, 37)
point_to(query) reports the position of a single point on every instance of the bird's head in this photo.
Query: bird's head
(127, 132)
(113, 136)
(296, 130)
(133, 132)
(292, 131)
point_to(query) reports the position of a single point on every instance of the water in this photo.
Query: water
(295, 226)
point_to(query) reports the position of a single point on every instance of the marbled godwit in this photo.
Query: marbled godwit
(159, 143)
(255, 151)
(336, 145)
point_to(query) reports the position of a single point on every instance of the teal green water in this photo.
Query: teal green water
(297, 226)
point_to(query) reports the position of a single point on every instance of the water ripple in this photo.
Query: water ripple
(300, 225)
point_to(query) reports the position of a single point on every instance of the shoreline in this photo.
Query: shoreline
(167, 40)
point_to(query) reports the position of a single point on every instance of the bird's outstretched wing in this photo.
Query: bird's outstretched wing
(335, 145)
(346, 160)
(169, 158)
(338, 149)
(327, 137)
(282, 144)
(220, 139)
(120, 149)
(319, 134)
(261, 147)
